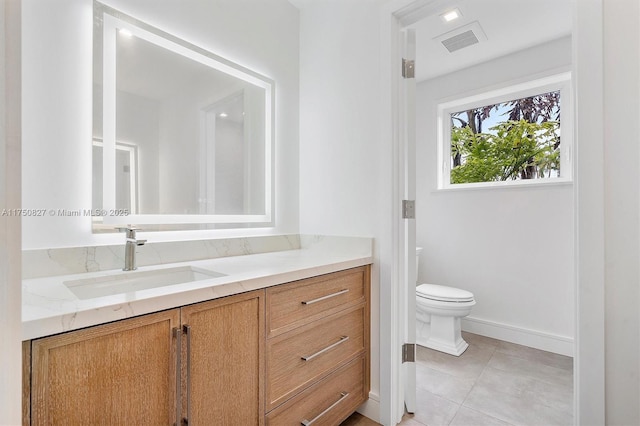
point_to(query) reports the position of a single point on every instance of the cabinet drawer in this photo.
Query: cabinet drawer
(298, 358)
(329, 401)
(297, 303)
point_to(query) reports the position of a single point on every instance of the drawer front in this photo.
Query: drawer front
(329, 401)
(298, 303)
(298, 358)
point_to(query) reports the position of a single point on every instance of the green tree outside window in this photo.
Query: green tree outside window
(521, 141)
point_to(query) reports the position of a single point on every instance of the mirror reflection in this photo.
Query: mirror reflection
(180, 135)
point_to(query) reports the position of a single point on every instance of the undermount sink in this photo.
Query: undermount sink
(127, 282)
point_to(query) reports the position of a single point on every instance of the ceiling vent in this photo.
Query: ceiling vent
(462, 37)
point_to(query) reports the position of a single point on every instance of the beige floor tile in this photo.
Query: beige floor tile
(468, 417)
(468, 365)
(520, 399)
(433, 410)
(476, 339)
(494, 383)
(450, 387)
(531, 354)
(556, 397)
(534, 369)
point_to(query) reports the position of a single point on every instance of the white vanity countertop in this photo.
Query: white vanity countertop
(49, 307)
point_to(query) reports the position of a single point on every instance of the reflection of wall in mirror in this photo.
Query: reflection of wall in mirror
(126, 176)
(181, 147)
(229, 177)
(166, 133)
(233, 163)
(137, 124)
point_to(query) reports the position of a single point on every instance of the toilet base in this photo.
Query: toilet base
(442, 334)
(457, 349)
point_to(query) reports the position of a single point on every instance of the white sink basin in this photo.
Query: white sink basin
(127, 282)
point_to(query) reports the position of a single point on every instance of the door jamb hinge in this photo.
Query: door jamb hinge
(408, 68)
(408, 209)
(408, 352)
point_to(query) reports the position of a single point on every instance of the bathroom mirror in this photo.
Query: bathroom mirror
(182, 138)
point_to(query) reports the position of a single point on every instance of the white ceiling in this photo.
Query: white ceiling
(510, 26)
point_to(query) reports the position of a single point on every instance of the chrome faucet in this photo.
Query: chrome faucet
(130, 247)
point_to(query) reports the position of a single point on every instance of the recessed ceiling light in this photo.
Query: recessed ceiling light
(223, 115)
(451, 15)
(125, 32)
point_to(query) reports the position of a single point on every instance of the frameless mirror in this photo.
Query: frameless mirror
(182, 138)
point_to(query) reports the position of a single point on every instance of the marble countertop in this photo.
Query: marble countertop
(49, 307)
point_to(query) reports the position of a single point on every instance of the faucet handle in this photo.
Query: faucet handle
(130, 230)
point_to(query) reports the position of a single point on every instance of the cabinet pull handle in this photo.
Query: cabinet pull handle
(328, 348)
(177, 333)
(328, 296)
(187, 331)
(343, 396)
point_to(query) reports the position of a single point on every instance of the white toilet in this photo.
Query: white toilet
(438, 312)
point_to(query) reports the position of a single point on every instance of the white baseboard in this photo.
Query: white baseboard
(371, 407)
(533, 338)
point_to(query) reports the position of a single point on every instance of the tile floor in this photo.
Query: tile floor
(492, 383)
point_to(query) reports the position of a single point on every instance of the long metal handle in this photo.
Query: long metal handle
(187, 331)
(328, 348)
(328, 296)
(343, 396)
(177, 333)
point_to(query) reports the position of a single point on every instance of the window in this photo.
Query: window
(517, 135)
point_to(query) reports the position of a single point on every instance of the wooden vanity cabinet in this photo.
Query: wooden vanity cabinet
(295, 353)
(131, 371)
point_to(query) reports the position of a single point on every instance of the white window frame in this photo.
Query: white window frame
(557, 82)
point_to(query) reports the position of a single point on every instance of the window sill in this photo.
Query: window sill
(537, 183)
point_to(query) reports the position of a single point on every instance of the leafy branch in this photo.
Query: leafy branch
(524, 146)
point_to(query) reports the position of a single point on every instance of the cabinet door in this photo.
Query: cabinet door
(118, 373)
(224, 361)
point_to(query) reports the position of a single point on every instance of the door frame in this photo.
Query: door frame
(588, 198)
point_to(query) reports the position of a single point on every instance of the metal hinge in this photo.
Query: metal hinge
(408, 68)
(408, 209)
(408, 352)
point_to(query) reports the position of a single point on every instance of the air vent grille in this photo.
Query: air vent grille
(460, 41)
(464, 36)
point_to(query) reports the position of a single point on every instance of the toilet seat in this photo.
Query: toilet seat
(442, 293)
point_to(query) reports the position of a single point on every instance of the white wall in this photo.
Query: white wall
(345, 167)
(511, 247)
(622, 211)
(10, 295)
(57, 73)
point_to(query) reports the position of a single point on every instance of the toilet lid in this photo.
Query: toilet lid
(443, 293)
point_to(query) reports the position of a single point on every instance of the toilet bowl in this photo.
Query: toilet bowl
(438, 312)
